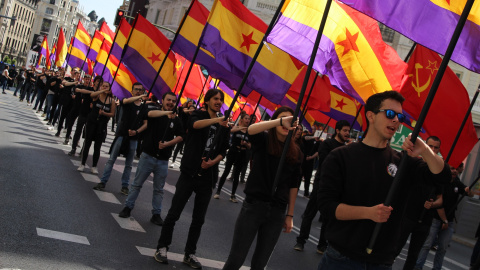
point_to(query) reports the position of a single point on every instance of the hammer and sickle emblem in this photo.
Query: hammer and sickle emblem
(178, 65)
(419, 88)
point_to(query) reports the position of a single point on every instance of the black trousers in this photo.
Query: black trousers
(307, 219)
(418, 234)
(186, 185)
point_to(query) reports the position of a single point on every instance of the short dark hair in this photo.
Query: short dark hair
(374, 102)
(168, 93)
(98, 78)
(435, 138)
(211, 93)
(339, 125)
(136, 83)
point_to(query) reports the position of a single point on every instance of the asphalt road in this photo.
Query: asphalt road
(51, 218)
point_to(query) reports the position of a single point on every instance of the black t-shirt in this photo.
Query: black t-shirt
(198, 144)
(86, 100)
(155, 132)
(264, 168)
(324, 149)
(132, 118)
(77, 102)
(67, 91)
(98, 104)
(54, 88)
(416, 197)
(451, 191)
(30, 77)
(237, 138)
(360, 175)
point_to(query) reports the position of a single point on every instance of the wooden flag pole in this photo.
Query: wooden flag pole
(428, 102)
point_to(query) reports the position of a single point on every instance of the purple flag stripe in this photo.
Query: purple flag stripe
(427, 24)
(116, 51)
(74, 61)
(186, 49)
(144, 72)
(92, 55)
(285, 35)
(119, 91)
(259, 79)
(79, 45)
(337, 115)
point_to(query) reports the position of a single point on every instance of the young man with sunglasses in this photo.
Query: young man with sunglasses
(355, 181)
(133, 122)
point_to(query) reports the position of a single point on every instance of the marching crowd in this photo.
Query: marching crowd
(349, 187)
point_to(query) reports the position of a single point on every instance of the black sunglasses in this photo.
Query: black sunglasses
(391, 114)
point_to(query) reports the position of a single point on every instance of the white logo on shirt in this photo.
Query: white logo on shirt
(392, 169)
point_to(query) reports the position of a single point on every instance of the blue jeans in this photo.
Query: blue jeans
(40, 98)
(146, 165)
(334, 260)
(49, 105)
(113, 157)
(444, 237)
(260, 219)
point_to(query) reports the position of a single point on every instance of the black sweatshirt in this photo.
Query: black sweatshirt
(154, 134)
(323, 150)
(199, 143)
(262, 176)
(360, 175)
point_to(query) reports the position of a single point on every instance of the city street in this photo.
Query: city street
(51, 218)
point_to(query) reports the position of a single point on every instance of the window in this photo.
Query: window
(387, 33)
(46, 24)
(156, 16)
(49, 11)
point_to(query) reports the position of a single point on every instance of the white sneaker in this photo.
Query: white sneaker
(81, 168)
(216, 196)
(172, 165)
(94, 170)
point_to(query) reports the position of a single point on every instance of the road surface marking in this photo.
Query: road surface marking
(63, 236)
(128, 223)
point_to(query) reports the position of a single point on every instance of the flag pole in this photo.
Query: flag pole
(73, 42)
(325, 127)
(111, 48)
(463, 195)
(410, 52)
(86, 56)
(305, 108)
(170, 49)
(356, 116)
(181, 72)
(123, 52)
(462, 125)
(302, 93)
(428, 102)
(94, 65)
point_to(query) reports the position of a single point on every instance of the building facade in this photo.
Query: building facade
(52, 15)
(15, 42)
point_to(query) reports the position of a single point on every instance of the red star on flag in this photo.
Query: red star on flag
(340, 104)
(154, 58)
(247, 41)
(349, 43)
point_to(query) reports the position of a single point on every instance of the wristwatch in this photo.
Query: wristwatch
(445, 222)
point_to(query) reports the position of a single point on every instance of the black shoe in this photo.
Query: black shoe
(124, 190)
(49, 123)
(57, 134)
(100, 186)
(192, 261)
(298, 247)
(321, 249)
(306, 195)
(14, 95)
(157, 220)
(161, 255)
(125, 212)
(65, 142)
(71, 153)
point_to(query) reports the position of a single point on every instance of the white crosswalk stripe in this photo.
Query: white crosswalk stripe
(63, 236)
(128, 223)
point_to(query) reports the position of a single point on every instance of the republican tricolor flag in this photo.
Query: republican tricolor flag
(352, 52)
(144, 53)
(81, 44)
(61, 52)
(44, 53)
(233, 34)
